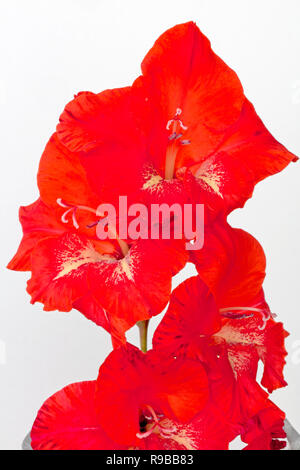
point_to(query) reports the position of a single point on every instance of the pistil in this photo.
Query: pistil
(170, 161)
(176, 128)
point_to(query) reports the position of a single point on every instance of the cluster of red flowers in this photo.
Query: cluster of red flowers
(183, 132)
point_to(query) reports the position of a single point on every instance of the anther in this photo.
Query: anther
(172, 136)
(265, 313)
(236, 316)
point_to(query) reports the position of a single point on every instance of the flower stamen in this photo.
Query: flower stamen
(177, 129)
(155, 424)
(265, 313)
(72, 209)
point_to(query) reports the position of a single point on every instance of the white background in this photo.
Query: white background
(53, 49)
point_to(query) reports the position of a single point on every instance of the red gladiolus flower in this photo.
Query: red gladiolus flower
(183, 130)
(176, 389)
(70, 270)
(68, 421)
(229, 306)
(109, 282)
(232, 264)
(194, 327)
(141, 138)
(229, 319)
(154, 404)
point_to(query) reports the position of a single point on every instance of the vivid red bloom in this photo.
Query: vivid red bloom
(71, 267)
(138, 402)
(230, 348)
(229, 320)
(232, 264)
(189, 113)
(183, 130)
(71, 270)
(174, 388)
(229, 306)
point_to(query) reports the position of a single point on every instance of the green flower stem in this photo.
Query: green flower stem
(143, 327)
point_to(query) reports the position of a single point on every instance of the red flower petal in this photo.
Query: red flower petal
(193, 327)
(192, 313)
(176, 388)
(223, 181)
(157, 190)
(59, 268)
(103, 128)
(204, 432)
(93, 311)
(247, 155)
(273, 356)
(181, 71)
(188, 329)
(250, 340)
(61, 175)
(66, 269)
(38, 221)
(265, 430)
(139, 285)
(232, 264)
(184, 86)
(256, 148)
(67, 421)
